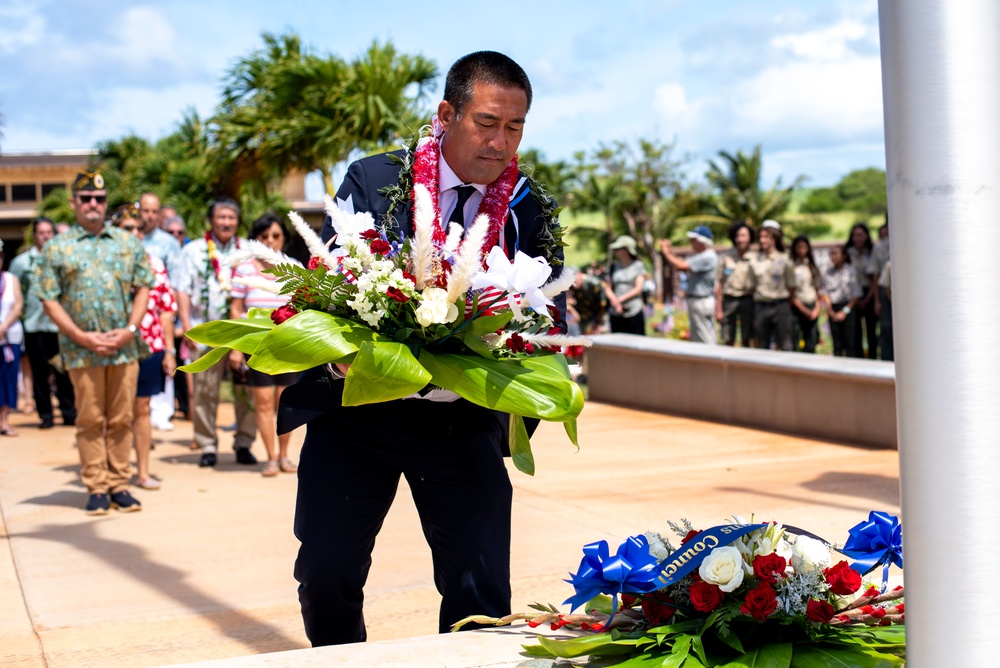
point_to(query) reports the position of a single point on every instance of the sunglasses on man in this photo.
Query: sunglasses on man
(97, 199)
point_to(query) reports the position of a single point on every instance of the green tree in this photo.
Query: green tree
(863, 190)
(560, 178)
(738, 194)
(285, 108)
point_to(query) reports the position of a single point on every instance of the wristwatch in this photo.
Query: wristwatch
(134, 330)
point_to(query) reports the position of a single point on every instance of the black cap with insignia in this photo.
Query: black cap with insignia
(86, 180)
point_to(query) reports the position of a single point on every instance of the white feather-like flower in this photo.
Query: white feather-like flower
(556, 340)
(455, 232)
(422, 244)
(347, 225)
(559, 284)
(258, 283)
(470, 258)
(315, 245)
(255, 249)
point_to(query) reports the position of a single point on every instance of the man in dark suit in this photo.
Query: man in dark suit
(450, 451)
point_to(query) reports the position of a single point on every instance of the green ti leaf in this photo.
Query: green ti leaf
(777, 655)
(811, 656)
(520, 446)
(383, 371)
(309, 339)
(206, 361)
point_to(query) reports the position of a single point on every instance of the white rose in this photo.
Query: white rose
(657, 548)
(723, 567)
(435, 308)
(808, 554)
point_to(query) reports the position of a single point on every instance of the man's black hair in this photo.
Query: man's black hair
(487, 67)
(38, 221)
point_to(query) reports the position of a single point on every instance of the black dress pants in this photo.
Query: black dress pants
(40, 347)
(349, 469)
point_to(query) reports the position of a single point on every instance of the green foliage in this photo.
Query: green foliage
(822, 200)
(862, 191)
(811, 226)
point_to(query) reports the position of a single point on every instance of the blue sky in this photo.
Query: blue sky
(802, 78)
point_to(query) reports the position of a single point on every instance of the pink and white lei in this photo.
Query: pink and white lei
(495, 203)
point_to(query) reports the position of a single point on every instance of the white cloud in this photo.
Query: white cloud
(146, 37)
(152, 113)
(20, 25)
(678, 114)
(827, 44)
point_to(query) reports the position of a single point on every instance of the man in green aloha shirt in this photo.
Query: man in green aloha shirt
(94, 285)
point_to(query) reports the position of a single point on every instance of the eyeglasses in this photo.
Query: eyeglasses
(97, 199)
(273, 235)
(130, 228)
(176, 233)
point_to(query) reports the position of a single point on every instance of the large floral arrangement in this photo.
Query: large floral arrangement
(740, 594)
(444, 310)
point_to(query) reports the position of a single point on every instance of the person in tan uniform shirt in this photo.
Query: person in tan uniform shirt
(734, 287)
(774, 285)
(808, 289)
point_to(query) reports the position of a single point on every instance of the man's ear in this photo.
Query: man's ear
(446, 114)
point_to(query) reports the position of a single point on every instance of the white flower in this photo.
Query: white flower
(657, 547)
(525, 276)
(809, 554)
(435, 308)
(724, 567)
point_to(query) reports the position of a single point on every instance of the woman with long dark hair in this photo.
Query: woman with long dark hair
(808, 286)
(859, 251)
(774, 287)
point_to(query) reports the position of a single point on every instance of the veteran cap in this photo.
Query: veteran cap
(86, 180)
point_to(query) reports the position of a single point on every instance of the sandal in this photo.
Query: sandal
(270, 469)
(287, 466)
(9, 431)
(148, 483)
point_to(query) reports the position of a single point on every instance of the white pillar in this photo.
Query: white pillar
(941, 89)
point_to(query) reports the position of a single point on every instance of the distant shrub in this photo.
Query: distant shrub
(822, 200)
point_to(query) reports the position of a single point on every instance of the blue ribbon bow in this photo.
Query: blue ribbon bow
(877, 541)
(633, 570)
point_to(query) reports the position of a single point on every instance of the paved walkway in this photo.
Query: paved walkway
(205, 571)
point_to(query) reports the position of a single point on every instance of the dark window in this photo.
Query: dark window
(23, 192)
(3, 192)
(49, 187)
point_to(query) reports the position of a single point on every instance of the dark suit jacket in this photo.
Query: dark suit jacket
(313, 394)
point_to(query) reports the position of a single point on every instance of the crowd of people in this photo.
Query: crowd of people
(99, 310)
(760, 292)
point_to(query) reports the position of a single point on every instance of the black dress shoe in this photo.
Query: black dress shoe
(244, 456)
(69, 421)
(47, 423)
(207, 459)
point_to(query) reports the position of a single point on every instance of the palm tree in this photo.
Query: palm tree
(738, 195)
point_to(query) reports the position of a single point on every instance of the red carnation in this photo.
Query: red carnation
(410, 277)
(529, 348)
(843, 579)
(760, 602)
(628, 600)
(370, 235)
(819, 611)
(689, 535)
(769, 567)
(657, 608)
(397, 295)
(313, 263)
(380, 247)
(706, 597)
(282, 313)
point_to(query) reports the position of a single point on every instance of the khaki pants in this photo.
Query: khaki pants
(105, 396)
(205, 405)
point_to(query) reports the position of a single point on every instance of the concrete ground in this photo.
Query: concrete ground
(205, 570)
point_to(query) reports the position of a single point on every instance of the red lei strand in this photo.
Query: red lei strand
(495, 203)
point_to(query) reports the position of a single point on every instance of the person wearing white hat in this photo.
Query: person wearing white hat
(701, 282)
(774, 286)
(624, 288)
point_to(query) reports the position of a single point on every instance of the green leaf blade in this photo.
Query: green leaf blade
(383, 371)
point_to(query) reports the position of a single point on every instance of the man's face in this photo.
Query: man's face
(224, 221)
(165, 213)
(479, 144)
(149, 211)
(90, 206)
(43, 234)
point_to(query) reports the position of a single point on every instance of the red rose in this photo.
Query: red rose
(689, 535)
(529, 348)
(380, 247)
(628, 600)
(706, 597)
(760, 602)
(397, 295)
(819, 611)
(370, 235)
(657, 608)
(410, 277)
(843, 579)
(282, 313)
(313, 263)
(768, 568)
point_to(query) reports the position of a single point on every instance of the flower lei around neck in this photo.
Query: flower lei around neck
(495, 203)
(213, 253)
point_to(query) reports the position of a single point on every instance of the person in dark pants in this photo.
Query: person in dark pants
(734, 287)
(624, 288)
(842, 296)
(774, 287)
(41, 336)
(449, 450)
(808, 293)
(859, 249)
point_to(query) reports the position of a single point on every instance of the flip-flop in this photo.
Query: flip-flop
(8, 432)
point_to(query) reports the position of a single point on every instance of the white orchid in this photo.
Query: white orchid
(524, 276)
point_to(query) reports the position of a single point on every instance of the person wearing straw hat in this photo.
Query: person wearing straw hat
(700, 294)
(624, 288)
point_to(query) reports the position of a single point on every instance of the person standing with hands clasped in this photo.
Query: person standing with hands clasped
(94, 286)
(624, 288)
(774, 287)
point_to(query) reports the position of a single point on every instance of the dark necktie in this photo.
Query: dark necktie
(464, 193)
